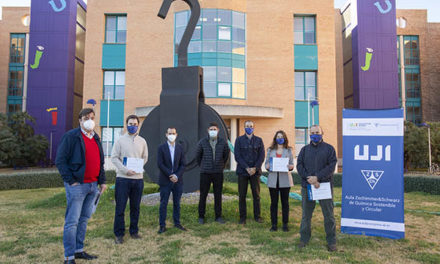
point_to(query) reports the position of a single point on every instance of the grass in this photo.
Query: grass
(31, 226)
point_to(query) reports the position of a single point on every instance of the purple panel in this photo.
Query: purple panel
(50, 85)
(374, 40)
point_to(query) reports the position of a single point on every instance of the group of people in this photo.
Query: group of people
(80, 161)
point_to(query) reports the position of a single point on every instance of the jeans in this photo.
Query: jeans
(274, 194)
(165, 191)
(80, 200)
(243, 182)
(127, 189)
(205, 185)
(329, 219)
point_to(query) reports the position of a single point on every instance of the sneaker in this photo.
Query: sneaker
(119, 240)
(220, 220)
(136, 236)
(332, 248)
(84, 255)
(180, 227)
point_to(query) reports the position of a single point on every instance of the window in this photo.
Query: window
(115, 29)
(114, 85)
(301, 139)
(414, 111)
(17, 48)
(218, 44)
(305, 85)
(304, 30)
(15, 83)
(14, 108)
(411, 50)
(109, 137)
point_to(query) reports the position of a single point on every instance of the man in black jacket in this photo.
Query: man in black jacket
(316, 164)
(212, 155)
(249, 153)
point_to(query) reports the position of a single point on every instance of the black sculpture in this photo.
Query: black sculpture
(182, 105)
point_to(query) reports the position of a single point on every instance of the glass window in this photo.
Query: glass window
(210, 73)
(81, 15)
(197, 33)
(15, 83)
(109, 137)
(238, 20)
(209, 16)
(114, 85)
(17, 48)
(224, 89)
(14, 108)
(238, 34)
(412, 83)
(209, 32)
(224, 74)
(305, 85)
(224, 17)
(224, 33)
(301, 139)
(411, 50)
(304, 29)
(181, 19)
(238, 48)
(115, 29)
(238, 75)
(238, 91)
(195, 47)
(209, 46)
(210, 89)
(179, 34)
(224, 46)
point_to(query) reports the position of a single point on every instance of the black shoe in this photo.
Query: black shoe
(179, 226)
(301, 245)
(273, 229)
(242, 221)
(220, 220)
(201, 220)
(135, 236)
(84, 255)
(285, 228)
(119, 240)
(70, 261)
(332, 248)
(161, 230)
(259, 220)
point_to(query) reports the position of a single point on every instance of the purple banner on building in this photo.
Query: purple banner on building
(52, 67)
(375, 68)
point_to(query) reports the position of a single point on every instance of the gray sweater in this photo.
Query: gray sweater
(129, 146)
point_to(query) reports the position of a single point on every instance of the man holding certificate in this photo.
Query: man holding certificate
(129, 155)
(316, 164)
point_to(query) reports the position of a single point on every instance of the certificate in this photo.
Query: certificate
(323, 192)
(279, 164)
(134, 164)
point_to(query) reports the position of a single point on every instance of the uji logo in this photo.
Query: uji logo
(366, 154)
(372, 177)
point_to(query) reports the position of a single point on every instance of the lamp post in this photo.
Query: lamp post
(429, 145)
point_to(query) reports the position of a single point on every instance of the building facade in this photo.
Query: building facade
(262, 61)
(14, 42)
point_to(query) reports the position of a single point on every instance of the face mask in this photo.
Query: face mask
(89, 125)
(316, 138)
(213, 133)
(132, 129)
(249, 130)
(280, 141)
(171, 138)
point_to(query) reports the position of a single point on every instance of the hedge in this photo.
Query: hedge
(413, 183)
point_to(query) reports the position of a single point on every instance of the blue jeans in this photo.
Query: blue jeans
(165, 191)
(80, 200)
(127, 189)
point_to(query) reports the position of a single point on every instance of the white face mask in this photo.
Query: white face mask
(213, 133)
(89, 125)
(171, 138)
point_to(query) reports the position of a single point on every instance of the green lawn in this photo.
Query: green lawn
(31, 225)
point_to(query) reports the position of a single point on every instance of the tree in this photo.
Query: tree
(8, 141)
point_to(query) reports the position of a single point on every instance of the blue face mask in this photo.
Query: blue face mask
(132, 129)
(249, 130)
(280, 141)
(316, 138)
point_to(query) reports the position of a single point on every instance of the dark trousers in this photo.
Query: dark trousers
(165, 191)
(205, 185)
(274, 194)
(127, 189)
(307, 212)
(243, 182)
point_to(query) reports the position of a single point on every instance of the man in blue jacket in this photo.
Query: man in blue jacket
(80, 161)
(249, 153)
(316, 164)
(171, 163)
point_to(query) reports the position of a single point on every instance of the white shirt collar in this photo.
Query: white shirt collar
(91, 135)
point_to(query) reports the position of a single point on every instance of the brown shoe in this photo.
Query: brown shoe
(332, 248)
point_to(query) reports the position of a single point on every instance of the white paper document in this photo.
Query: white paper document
(134, 164)
(323, 192)
(280, 164)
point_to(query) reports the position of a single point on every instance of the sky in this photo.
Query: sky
(433, 6)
